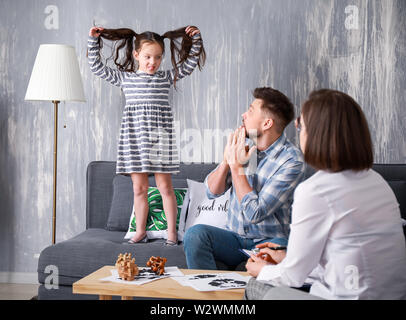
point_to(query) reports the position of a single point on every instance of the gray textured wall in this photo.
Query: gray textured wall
(292, 45)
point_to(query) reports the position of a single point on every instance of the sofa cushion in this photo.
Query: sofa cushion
(99, 192)
(95, 248)
(121, 204)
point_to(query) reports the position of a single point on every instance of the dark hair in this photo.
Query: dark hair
(128, 40)
(277, 104)
(338, 136)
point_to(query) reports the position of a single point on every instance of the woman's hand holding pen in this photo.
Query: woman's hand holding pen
(269, 253)
(255, 264)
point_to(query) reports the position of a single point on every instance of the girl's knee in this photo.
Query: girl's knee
(140, 190)
(140, 184)
(165, 190)
(164, 184)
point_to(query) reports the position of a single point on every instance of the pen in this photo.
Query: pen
(278, 248)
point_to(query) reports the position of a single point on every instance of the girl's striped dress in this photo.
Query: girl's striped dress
(147, 141)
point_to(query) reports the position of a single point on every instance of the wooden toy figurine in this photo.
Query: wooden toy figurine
(126, 267)
(157, 264)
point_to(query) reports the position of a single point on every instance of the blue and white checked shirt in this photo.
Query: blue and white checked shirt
(265, 212)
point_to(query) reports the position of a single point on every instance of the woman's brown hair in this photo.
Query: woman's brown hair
(338, 136)
(127, 40)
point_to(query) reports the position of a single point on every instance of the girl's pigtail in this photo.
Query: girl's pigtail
(124, 39)
(180, 45)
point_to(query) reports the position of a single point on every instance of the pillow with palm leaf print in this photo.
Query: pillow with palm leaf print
(156, 221)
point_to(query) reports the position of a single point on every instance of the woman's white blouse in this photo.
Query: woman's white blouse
(346, 239)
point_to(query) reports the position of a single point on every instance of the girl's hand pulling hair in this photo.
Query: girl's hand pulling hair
(95, 31)
(191, 31)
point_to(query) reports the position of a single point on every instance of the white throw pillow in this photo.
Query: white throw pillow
(202, 210)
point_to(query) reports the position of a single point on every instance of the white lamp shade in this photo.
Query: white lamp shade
(55, 75)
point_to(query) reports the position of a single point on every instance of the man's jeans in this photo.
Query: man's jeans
(204, 244)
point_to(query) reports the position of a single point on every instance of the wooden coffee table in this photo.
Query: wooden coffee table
(163, 288)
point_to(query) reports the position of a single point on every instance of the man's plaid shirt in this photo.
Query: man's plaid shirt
(265, 212)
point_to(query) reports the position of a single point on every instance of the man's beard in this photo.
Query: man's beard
(253, 134)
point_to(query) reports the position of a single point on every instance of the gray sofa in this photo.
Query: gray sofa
(110, 195)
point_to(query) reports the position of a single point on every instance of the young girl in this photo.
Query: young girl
(147, 137)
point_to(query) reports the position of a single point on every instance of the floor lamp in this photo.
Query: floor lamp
(55, 77)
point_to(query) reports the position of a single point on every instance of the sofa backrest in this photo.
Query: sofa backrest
(395, 175)
(100, 175)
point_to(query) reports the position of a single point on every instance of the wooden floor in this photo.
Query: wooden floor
(14, 291)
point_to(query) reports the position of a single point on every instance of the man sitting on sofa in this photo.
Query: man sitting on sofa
(260, 200)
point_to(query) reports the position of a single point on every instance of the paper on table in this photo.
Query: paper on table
(248, 253)
(214, 281)
(145, 275)
(182, 280)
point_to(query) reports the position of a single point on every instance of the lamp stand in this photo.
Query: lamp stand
(55, 102)
(55, 77)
